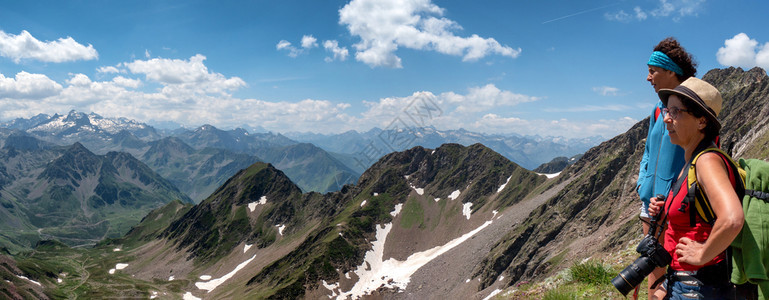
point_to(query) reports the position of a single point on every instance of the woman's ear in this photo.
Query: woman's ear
(702, 122)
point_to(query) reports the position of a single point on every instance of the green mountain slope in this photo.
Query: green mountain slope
(77, 197)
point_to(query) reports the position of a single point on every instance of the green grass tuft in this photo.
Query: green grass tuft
(591, 272)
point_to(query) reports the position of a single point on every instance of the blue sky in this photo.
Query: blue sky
(552, 68)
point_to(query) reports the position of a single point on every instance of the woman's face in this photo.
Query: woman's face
(683, 127)
(662, 79)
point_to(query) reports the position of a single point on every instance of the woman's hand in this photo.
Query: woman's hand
(655, 206)
(690, 252)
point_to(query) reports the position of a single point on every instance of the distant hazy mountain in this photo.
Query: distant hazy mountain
(365, 148)
(216, 155)
(196, 172)
(73, 195)
(238, 140)
(310, 167)
(557, 164)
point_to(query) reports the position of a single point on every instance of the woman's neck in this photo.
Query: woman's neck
(691, 147)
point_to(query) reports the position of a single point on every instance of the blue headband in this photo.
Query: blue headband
(659, 59)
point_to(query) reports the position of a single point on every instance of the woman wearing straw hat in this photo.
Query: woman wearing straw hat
(669, 65)
(699, 269)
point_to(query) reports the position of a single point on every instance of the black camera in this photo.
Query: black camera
(653, 255)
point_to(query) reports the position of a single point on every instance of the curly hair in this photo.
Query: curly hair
(678, 54)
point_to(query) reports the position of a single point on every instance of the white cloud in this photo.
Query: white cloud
(340, 53)
(493, 123)
(665, 9)
(28, 86)
(308, 41)
(742, 51)
(485, 98)
(108, 69)
(283, 44)
(25, 46)
(606, 90)
(185, 75)
(127, 82)
(385, 25)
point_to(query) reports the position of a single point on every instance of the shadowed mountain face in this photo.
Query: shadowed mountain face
(73, 195)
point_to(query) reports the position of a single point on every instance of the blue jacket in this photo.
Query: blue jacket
(662, 161)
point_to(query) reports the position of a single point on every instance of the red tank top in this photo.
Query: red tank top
(679, 222)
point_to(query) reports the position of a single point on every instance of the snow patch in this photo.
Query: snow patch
(205, 277)
(171, 278)
(211, 285)
(332, 288)
(189, 296)
(375, 272)
(501, 277)
(118, 267)
(466, 209)
(363, 203)
(116, 250)
(397, 210)
(454, 195)
(59, 280)
(495, 212)
(437, 199)
(246, 247)
(30, 280)
(502, 187)
(494, 293)
(262, 201)
(154, 295)
(468, 280)
(420, 191)
(549, 176)
(376, 194)
(280, 228)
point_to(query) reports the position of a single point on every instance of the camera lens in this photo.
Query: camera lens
(633, 275)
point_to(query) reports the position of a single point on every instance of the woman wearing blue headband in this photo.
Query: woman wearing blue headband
(669, 65)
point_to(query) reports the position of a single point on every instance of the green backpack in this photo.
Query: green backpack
(750, 249)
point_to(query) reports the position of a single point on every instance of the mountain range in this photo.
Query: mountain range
(212, 155)
(197, 161)
(526, 151)
(71, 194)
(455, 221)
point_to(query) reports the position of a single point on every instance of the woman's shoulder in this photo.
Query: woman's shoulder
(710, 161)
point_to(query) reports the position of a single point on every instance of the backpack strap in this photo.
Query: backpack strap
(757, 194)
(696, 196)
